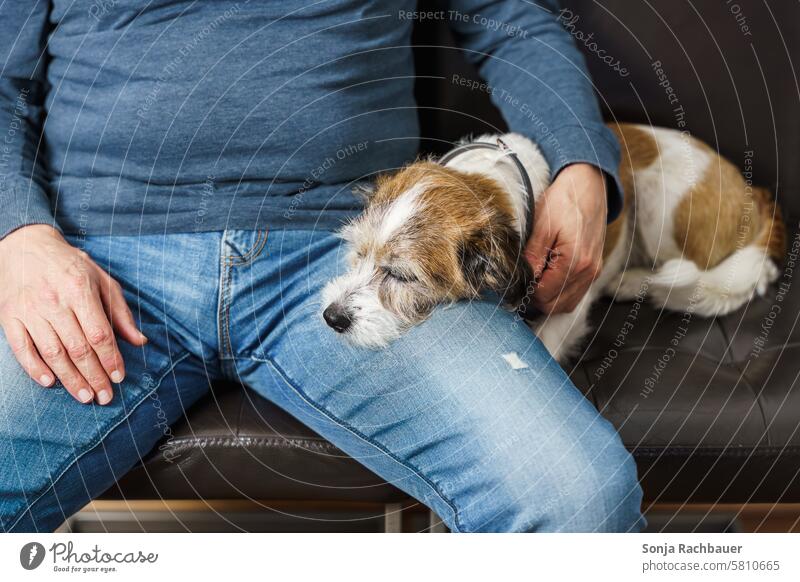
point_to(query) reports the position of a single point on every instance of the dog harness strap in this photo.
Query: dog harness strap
(502, 147)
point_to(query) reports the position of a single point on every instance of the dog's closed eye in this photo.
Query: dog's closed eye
(398, 274)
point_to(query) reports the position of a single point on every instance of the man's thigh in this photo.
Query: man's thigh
(465, 412)
(55, 453)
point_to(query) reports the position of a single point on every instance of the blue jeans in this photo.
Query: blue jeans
(440, 414)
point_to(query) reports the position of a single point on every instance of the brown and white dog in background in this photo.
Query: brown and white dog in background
(692, 236)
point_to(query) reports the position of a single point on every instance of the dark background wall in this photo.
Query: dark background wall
(733, 67)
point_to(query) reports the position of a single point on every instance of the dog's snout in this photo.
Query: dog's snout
(337, 317)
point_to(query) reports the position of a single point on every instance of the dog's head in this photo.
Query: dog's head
(429, 235)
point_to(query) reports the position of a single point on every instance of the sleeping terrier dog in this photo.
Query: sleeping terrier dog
(692, 235)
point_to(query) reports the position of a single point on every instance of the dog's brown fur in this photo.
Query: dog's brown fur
(773, 228)
(469, 226)
(433, 234)
(639, 150)
(740, 215)
(470, 240)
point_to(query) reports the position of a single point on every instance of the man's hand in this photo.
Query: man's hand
(566, 248)
(55, 308)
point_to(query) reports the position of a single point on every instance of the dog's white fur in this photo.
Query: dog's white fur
(376, 326)
(646, 239)
(562, 333)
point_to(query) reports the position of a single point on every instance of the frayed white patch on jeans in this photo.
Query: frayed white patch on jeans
(514, 361)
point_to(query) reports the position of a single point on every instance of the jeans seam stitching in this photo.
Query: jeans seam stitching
(254, 252)
(242, 258)
(227, 348)
(21, 512)
(228, 264)
(285, 377)
(221, 297)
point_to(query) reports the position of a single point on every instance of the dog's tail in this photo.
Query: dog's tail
(680, 284)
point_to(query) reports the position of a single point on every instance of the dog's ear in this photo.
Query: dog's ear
(493, 259)
(365, 191)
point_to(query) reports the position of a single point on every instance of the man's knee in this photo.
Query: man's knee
(606, 498)
(590, 487)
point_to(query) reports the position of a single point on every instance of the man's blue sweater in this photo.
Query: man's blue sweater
(125, 116)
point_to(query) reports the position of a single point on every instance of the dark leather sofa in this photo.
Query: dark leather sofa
(720, 422)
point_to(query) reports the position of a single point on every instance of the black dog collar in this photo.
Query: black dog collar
(502, 147)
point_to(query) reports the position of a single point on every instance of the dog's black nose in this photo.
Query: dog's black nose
(337, 317)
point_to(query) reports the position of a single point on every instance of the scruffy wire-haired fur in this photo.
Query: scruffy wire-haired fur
(433, 234)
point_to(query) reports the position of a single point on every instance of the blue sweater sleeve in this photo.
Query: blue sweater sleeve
(539, 81)
(23, 36)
